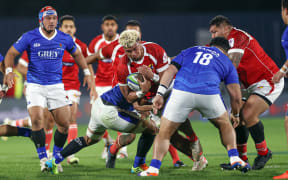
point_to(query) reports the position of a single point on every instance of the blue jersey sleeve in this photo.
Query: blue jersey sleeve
(22, 43)
(232, 76)
(70, 45)
(178, 61)
(1, 57)
(285, 46)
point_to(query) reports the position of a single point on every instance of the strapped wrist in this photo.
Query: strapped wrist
(86, 72)
(8, 70)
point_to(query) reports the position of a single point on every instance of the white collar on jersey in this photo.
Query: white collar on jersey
(144, 54)
(40, 30)
(108, 42)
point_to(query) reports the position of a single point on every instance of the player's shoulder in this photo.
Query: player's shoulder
(152, 48)
(80, 43)
(97, 38)
(62, 34)
(34, 32)
(239, 33)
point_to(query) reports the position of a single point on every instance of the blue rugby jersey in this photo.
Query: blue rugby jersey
(284, 41)
(45, 55)
(201, 69)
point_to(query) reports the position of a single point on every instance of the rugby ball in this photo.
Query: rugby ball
(132, 81)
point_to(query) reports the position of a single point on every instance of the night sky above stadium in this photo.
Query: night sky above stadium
(97, 7)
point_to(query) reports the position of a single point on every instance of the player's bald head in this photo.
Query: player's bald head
(129, 38)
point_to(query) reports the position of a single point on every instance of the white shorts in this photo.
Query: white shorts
(181, 103)
(263, 89)
(102, 89)
(73, 95)
(50, 96)
(106, 117)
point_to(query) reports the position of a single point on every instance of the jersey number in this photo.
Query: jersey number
(203, 59)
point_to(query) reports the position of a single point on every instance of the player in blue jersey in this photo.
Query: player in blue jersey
(45, 47)
(199, 71)
(284, 69)
(110, 111)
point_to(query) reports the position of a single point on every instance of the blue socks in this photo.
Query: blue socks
(41, 152)
(139, 161)
(233, 152)
(155, 163)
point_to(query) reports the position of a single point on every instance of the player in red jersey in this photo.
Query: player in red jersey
(255, 69)
(151, 60)
(115, 51)
(104, 72)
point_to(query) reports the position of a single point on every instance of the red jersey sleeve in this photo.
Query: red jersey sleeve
(162, 59)
(122, 72)
(24, 60)
(238, 41)
(106, 52)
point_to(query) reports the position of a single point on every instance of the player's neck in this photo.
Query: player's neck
(107, 38)
(48, 33)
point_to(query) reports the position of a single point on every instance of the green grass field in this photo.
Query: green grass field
(18, 158)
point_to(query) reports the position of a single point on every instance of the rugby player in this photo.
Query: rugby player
(151, 60)
(255, 69)
(284, 69)
(207, 67)
(45, 47)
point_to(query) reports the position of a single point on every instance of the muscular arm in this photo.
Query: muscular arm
(93, 58)
(10, 56)
(142, 108)
(22, 69)
(168, 75)
(235, 57)
(79, 59)
(235, 97)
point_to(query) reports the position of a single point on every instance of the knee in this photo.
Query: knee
(89, 141)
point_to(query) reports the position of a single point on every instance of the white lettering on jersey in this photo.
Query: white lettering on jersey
(47, 54)
(231, 42)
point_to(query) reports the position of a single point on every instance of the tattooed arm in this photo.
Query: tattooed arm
(235, 57)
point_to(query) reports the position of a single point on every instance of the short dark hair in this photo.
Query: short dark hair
(109, 17)
(133, 23)
(66, 17)
(218, 20)
(220, 42)
(284, 4)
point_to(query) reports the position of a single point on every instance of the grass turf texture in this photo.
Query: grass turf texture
(18, 158)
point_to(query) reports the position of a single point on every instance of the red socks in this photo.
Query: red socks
(173, 153)
(262, 148)
(242, 150)
(48, 138)
(72, 132)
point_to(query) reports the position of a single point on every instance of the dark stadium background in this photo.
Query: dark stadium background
(175, 25)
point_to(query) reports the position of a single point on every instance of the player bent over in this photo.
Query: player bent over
(110, 111)
(207, 67)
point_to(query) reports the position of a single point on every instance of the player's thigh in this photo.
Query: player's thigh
(210, 106)
(179, 105)
(48, 119)
(36, 114)
(62, 116)
(222, 120)
(253, 108)
(167, 127)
